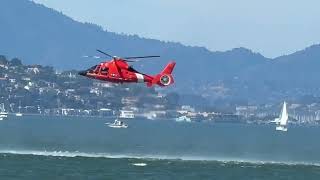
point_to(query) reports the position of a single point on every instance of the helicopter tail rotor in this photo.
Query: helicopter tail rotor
(165, 78)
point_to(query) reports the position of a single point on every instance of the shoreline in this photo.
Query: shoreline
(100, 118)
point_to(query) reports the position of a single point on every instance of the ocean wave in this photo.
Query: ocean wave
(152, 157)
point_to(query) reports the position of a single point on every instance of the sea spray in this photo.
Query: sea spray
(69, 154)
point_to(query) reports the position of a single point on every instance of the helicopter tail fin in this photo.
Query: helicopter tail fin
(165, 77)
(169, 68)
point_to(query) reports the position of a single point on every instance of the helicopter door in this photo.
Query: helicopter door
(113, 71)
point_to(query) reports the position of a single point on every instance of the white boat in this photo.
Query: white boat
(18, 114)
(183, 119)
(3, 115)
(282, 121)
(117, 124)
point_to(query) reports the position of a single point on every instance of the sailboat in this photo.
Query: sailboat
(282, 121)
(3, 113)
(19, 114)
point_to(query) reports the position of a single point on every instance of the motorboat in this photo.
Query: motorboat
(117, 124)
(183, 119)
(3, 115)
(19, 114)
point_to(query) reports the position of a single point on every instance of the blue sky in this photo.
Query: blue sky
(270, 27)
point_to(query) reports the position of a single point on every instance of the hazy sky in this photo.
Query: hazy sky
(271, 27)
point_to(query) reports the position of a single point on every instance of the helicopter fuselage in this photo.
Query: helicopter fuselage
(119, 71)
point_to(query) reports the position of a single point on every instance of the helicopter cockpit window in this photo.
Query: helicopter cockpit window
(91, 70)
(132, 69)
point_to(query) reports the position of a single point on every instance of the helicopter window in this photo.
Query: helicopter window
(132, 69)
(97, 69)
(92, 69)
(104, 70)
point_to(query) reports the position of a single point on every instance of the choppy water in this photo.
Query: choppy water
(79, 148)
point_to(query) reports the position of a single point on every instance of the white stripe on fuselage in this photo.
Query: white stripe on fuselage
(140, 78)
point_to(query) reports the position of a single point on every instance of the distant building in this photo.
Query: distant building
(4, 66)
(129, 100)
(187, 108)
(12, 80)
(105, 112)
(33, 70)
(26, 79)
(126, 114)
(104, 84)
(96, 91)
(246, 111)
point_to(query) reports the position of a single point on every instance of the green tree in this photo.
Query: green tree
(3, 60)
(16, 62)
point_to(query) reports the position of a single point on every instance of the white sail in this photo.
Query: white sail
(284, 115)
(283, 119)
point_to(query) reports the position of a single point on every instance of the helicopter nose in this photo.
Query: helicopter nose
(82, 73)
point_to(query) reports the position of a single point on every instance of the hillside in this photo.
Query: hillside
(40, 89)
(40, 35)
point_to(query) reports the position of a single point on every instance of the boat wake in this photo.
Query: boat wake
(150, 157)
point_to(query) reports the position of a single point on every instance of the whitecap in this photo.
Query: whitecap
(224, 161)
(140, 164)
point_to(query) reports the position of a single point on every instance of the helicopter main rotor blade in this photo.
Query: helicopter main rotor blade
(129, 60)
(104, 53)
(94, 57)
(141, 57)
